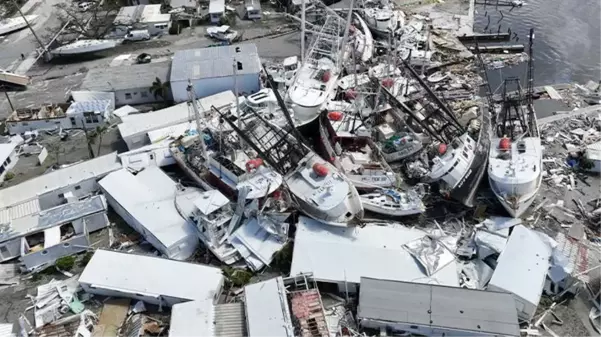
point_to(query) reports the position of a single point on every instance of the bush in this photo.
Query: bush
(86, 258)
(65, 263)
(237, 277)
(9, 176)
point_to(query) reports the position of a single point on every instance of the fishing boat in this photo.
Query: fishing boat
(215, 160)
(315, 81)
(285, 72)
(394, 202)
(516, 154)
(461, 152)
(347, 143)
(10, 25)
(84, 47)
(318, 188)
(381, 17)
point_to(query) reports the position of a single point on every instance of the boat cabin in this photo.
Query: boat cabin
(452, 163)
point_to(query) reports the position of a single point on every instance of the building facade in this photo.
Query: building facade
(216, 69)
(131, 84)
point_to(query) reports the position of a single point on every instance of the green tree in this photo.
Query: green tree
(237, 277)
(160, 89)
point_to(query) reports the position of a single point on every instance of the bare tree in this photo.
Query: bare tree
(93, 23)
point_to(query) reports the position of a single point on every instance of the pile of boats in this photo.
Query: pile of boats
(342, 145)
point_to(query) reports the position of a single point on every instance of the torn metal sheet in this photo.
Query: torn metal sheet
(496, 223)
(490, 242)
(9, 274)
(431, 253)
(475, 274)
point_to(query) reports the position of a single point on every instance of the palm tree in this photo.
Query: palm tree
(160, 89)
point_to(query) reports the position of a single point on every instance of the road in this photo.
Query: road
(23, 42)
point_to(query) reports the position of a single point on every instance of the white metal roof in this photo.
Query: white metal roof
(210, 201)
(216, 6)
(213, 62)
(593, 151)
(19, 210)
(150, 275)
(5, 150)
(193, 318)
(149, 197)
(173, 131)
(30, 189)
(336, 254)
(143, 123)
(152, 13)
(523, 264)
(267, 311)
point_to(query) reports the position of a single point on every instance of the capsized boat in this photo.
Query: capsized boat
(395, 202)
(84, 47)
(516, 155)
(315, 81)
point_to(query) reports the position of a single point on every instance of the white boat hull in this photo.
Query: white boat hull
(13, 24)
(521, 203)
(373, 207)
(84, 47)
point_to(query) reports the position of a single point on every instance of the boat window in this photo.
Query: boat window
(456, 143)
(465, 155)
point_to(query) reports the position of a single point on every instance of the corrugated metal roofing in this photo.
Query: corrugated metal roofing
(230, 320)
(6, 330)
(126, 77)
(31, 189)
(129, 14)
(438, 306)
(19, 210)
(593, 151)
(194, 64)
(53, 217)
(88, 106)
(216, 6)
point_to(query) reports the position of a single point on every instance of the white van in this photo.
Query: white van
(137, 35)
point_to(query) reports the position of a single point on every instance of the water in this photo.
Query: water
(567, 44)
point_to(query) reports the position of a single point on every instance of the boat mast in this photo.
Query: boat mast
(303, 18)
(347, 27)
(197, 116)
(530, 90)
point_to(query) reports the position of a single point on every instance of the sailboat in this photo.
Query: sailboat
(315, 81)
(515, 158)
(318, 188)
(394, 202)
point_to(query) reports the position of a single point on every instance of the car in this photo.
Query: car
(84, 6)
(137, 35)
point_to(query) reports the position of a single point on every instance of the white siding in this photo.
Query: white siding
(80, 189)
(249, 83)
(135, 96)
(15, 128)
(68, 247)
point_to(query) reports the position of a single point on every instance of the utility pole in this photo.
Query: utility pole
(29, 26)
(12, 108)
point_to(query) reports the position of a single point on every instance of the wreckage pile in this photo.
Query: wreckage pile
(329, 170)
